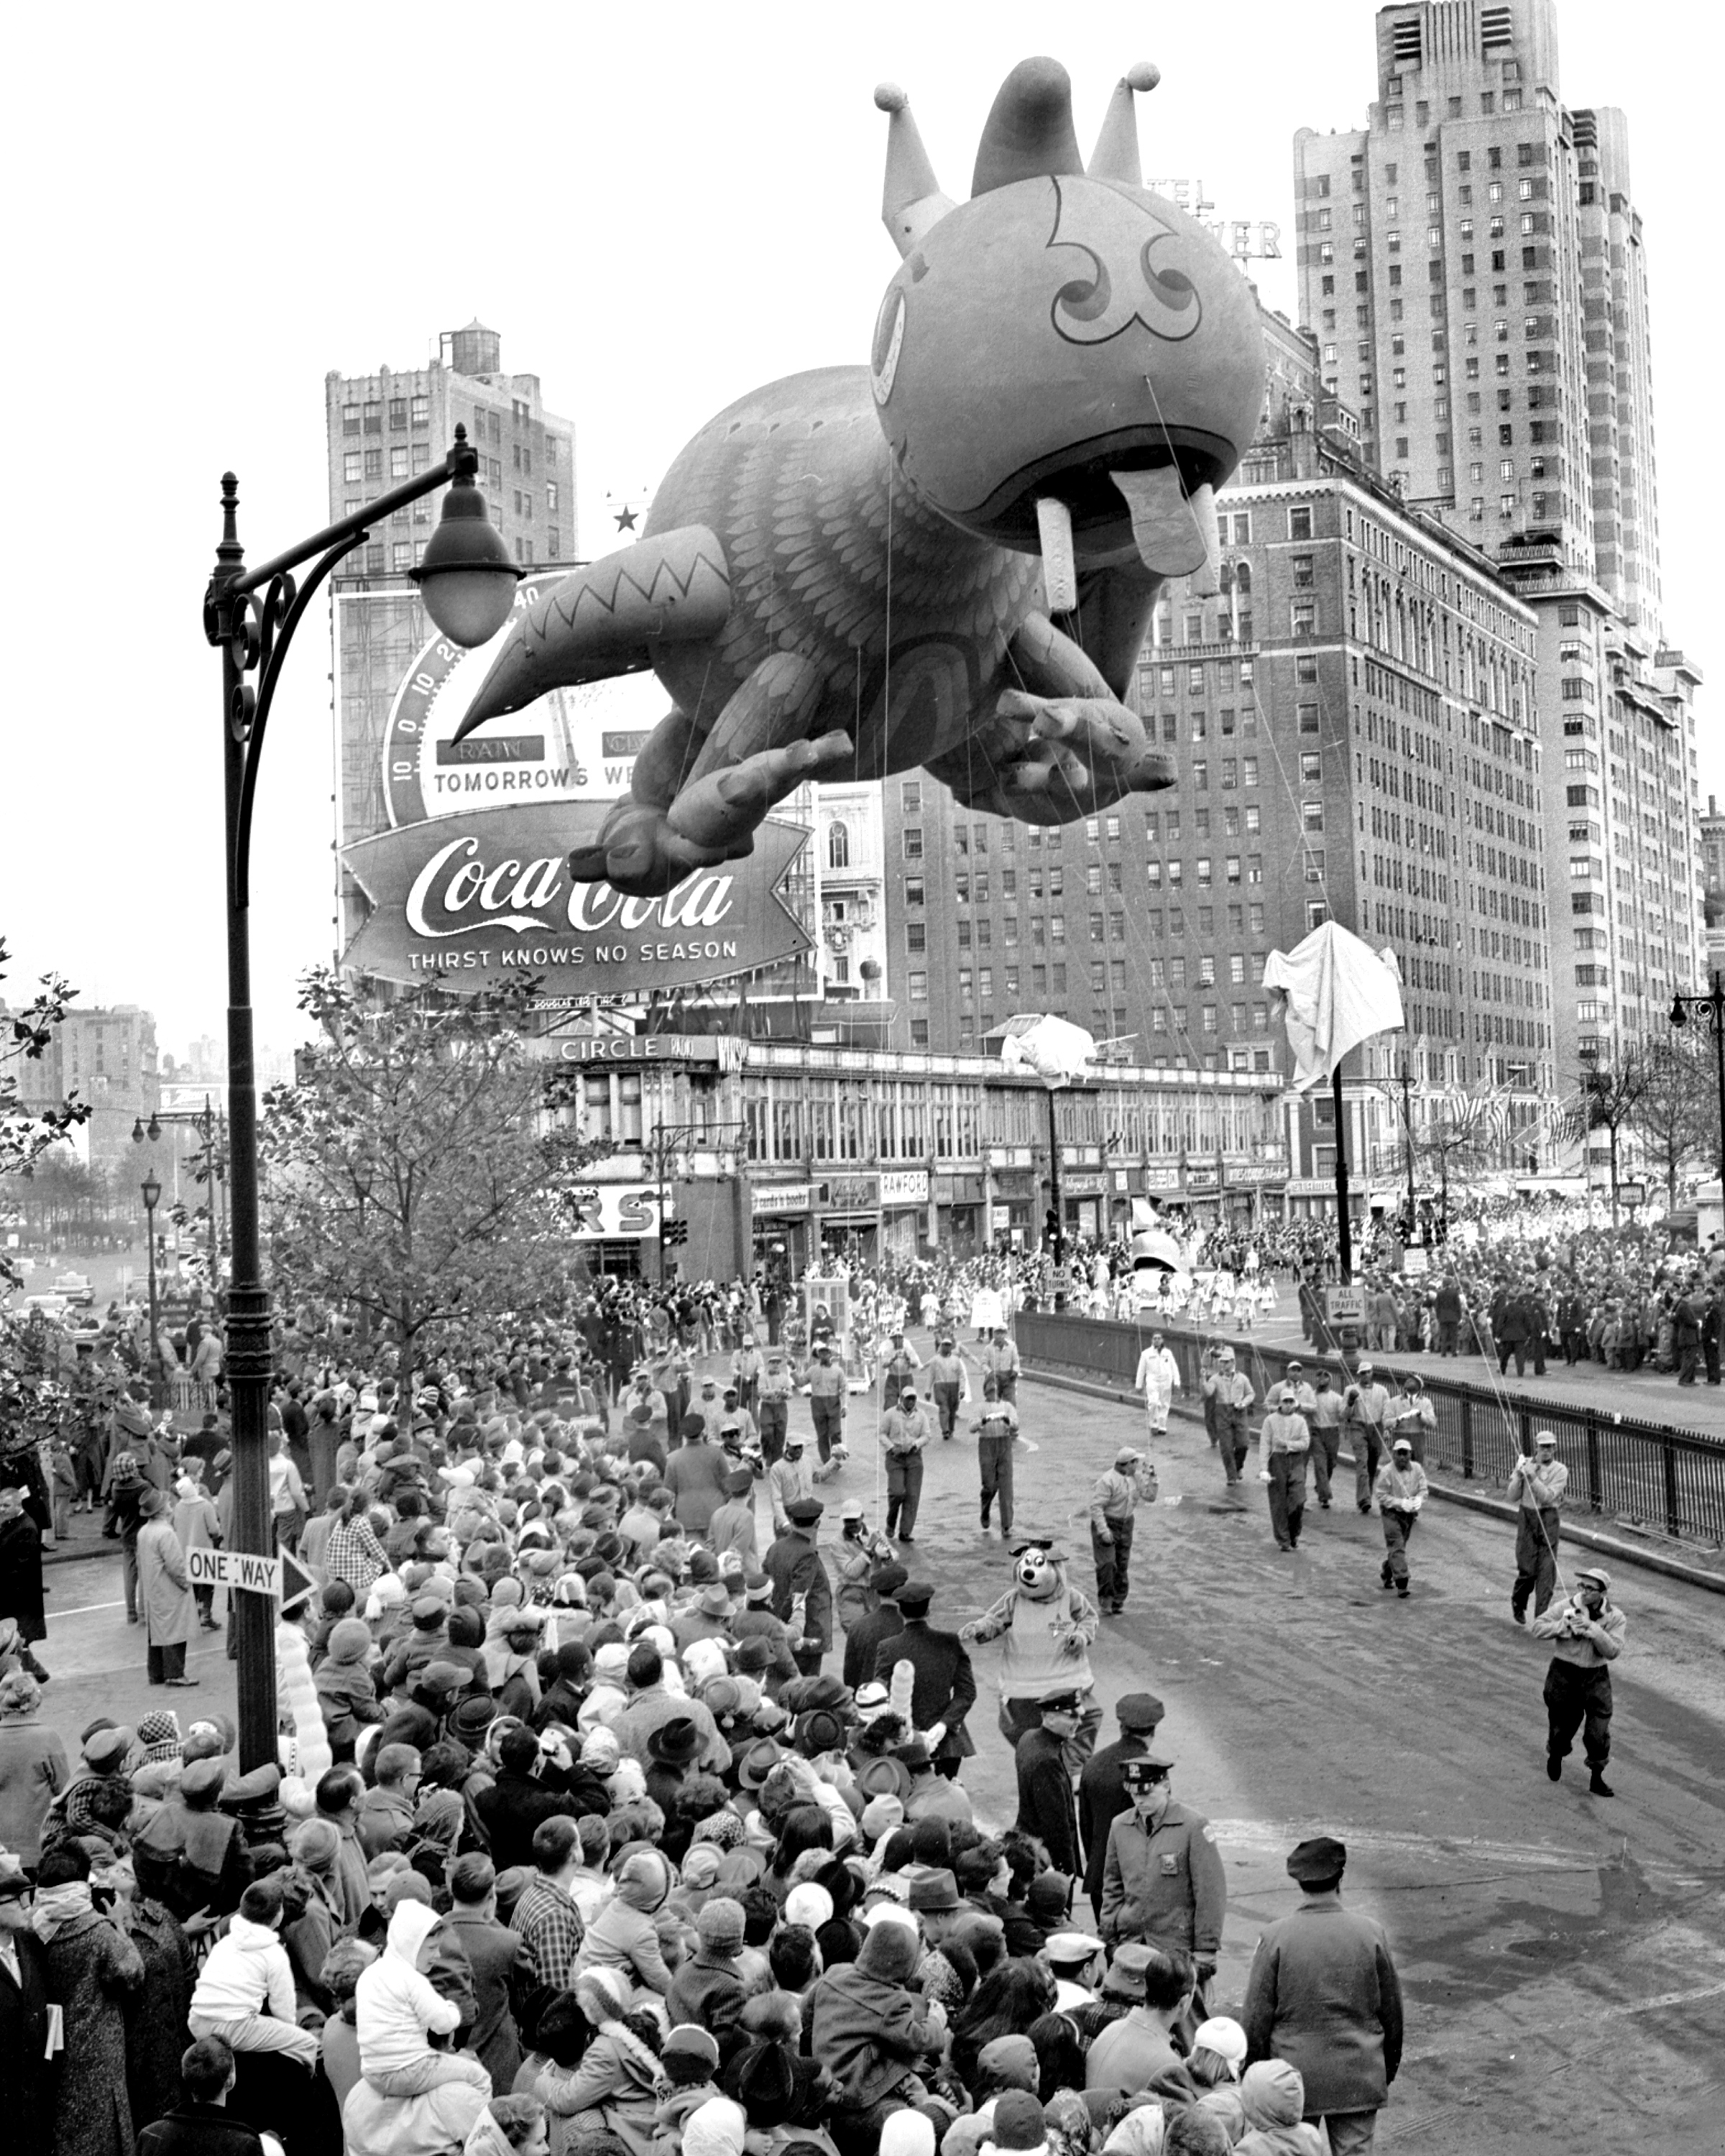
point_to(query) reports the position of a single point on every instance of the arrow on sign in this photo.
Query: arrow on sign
(282, 1577)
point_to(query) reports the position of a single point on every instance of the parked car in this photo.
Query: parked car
(76, 1289)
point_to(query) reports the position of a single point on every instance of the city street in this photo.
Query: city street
(1561, 1953)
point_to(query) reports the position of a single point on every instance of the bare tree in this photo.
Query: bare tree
(1611, 1091)
(1674, 1116)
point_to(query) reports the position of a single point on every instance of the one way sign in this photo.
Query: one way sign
(281, 1577)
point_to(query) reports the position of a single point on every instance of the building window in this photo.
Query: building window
(1300, 523)
(912, 842)
(919, 988)
(839, 846)
(352, 468)
(916, 937)
(349, 419)
(399, 461)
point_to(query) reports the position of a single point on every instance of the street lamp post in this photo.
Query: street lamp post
(153, 1199)
(205, 1122)
(468, 583)
(1709, 1011)
(1057, 1208)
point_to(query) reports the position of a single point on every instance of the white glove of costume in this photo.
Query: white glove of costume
(934, 1737)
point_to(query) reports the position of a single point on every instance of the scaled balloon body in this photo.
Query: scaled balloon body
(947, 559)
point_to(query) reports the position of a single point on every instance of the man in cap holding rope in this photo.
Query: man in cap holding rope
(1537, 1487)
(1588, 1631)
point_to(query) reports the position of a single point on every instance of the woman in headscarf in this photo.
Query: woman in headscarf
(512, 1635)
(1272, 2094)
(92, 1970)
(310, 1935)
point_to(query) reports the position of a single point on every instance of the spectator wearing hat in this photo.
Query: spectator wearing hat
(732, 1528)
(1365, 1409)
(1162, 1881)
(997, 1429)
(652, 1703)
(673, 1750)
(165, 1598)
(708, 1617)
(1284, 1446)
(764, 1647)
(930, 1795)
(801, 1592)
(1323, 1994)
(1102, 1794)
(1400, 1490)
(1114, 1499)
(34, 1766)
(1538, 1483)
(29, 2071)
(709, 1989)
(905, 1434)
(623, 1938)
(824, 1377)
(1587, 1630)
(1045, 1811)
(943, 1687)
(1411, 1415)
(1137, 2055)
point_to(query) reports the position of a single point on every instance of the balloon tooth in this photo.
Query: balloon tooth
(1059, 572)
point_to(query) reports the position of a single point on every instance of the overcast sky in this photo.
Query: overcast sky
(213, 208)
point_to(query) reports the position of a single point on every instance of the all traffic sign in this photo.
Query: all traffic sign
(282, 1577)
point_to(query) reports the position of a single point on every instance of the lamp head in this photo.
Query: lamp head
(465, 576)
(1679, 1015)
(155, 1131)
(153, 1193)
(137, 1132)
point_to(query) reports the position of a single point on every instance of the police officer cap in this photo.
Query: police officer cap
(1070, 1949)
(1139, 1710)
(804, 1512)
(916, 1595)
(1061, 1703)
(1322, 1857)
(1149, 1767)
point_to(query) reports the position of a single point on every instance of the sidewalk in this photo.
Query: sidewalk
(1643, 1395)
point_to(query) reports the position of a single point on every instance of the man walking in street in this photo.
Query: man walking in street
(825, 1380)
(1401, 1491)
(999, 1360)
(1283, 1445)
(1323, 1419)
(1323, 1994)
(774, 1403)
(1537, 1486)
(904, 1435)
(1158, 1379)
(1364, 1406)
(1114, 1500)
(945, 1373)
(1588, 1631)
(1229, 1400)
(1411, 1415)
(996, 1431)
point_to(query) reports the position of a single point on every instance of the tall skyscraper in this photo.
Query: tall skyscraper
(1471, 264)
(384, 428)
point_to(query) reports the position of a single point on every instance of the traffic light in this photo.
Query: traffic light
(676, 1233)
(1051, 1225)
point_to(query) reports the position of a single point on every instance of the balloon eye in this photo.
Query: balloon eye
(889, 341)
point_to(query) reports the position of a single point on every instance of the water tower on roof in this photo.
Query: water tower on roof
(475, 350)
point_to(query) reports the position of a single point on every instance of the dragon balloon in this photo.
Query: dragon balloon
(947, 557)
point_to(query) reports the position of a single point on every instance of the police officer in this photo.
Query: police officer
(1162, 1881)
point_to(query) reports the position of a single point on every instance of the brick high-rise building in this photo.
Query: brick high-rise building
(1473, 267)
(383, 428)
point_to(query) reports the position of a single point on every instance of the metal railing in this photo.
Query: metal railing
(1642, 1474)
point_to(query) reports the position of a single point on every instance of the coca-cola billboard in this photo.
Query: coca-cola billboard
(486, 896)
